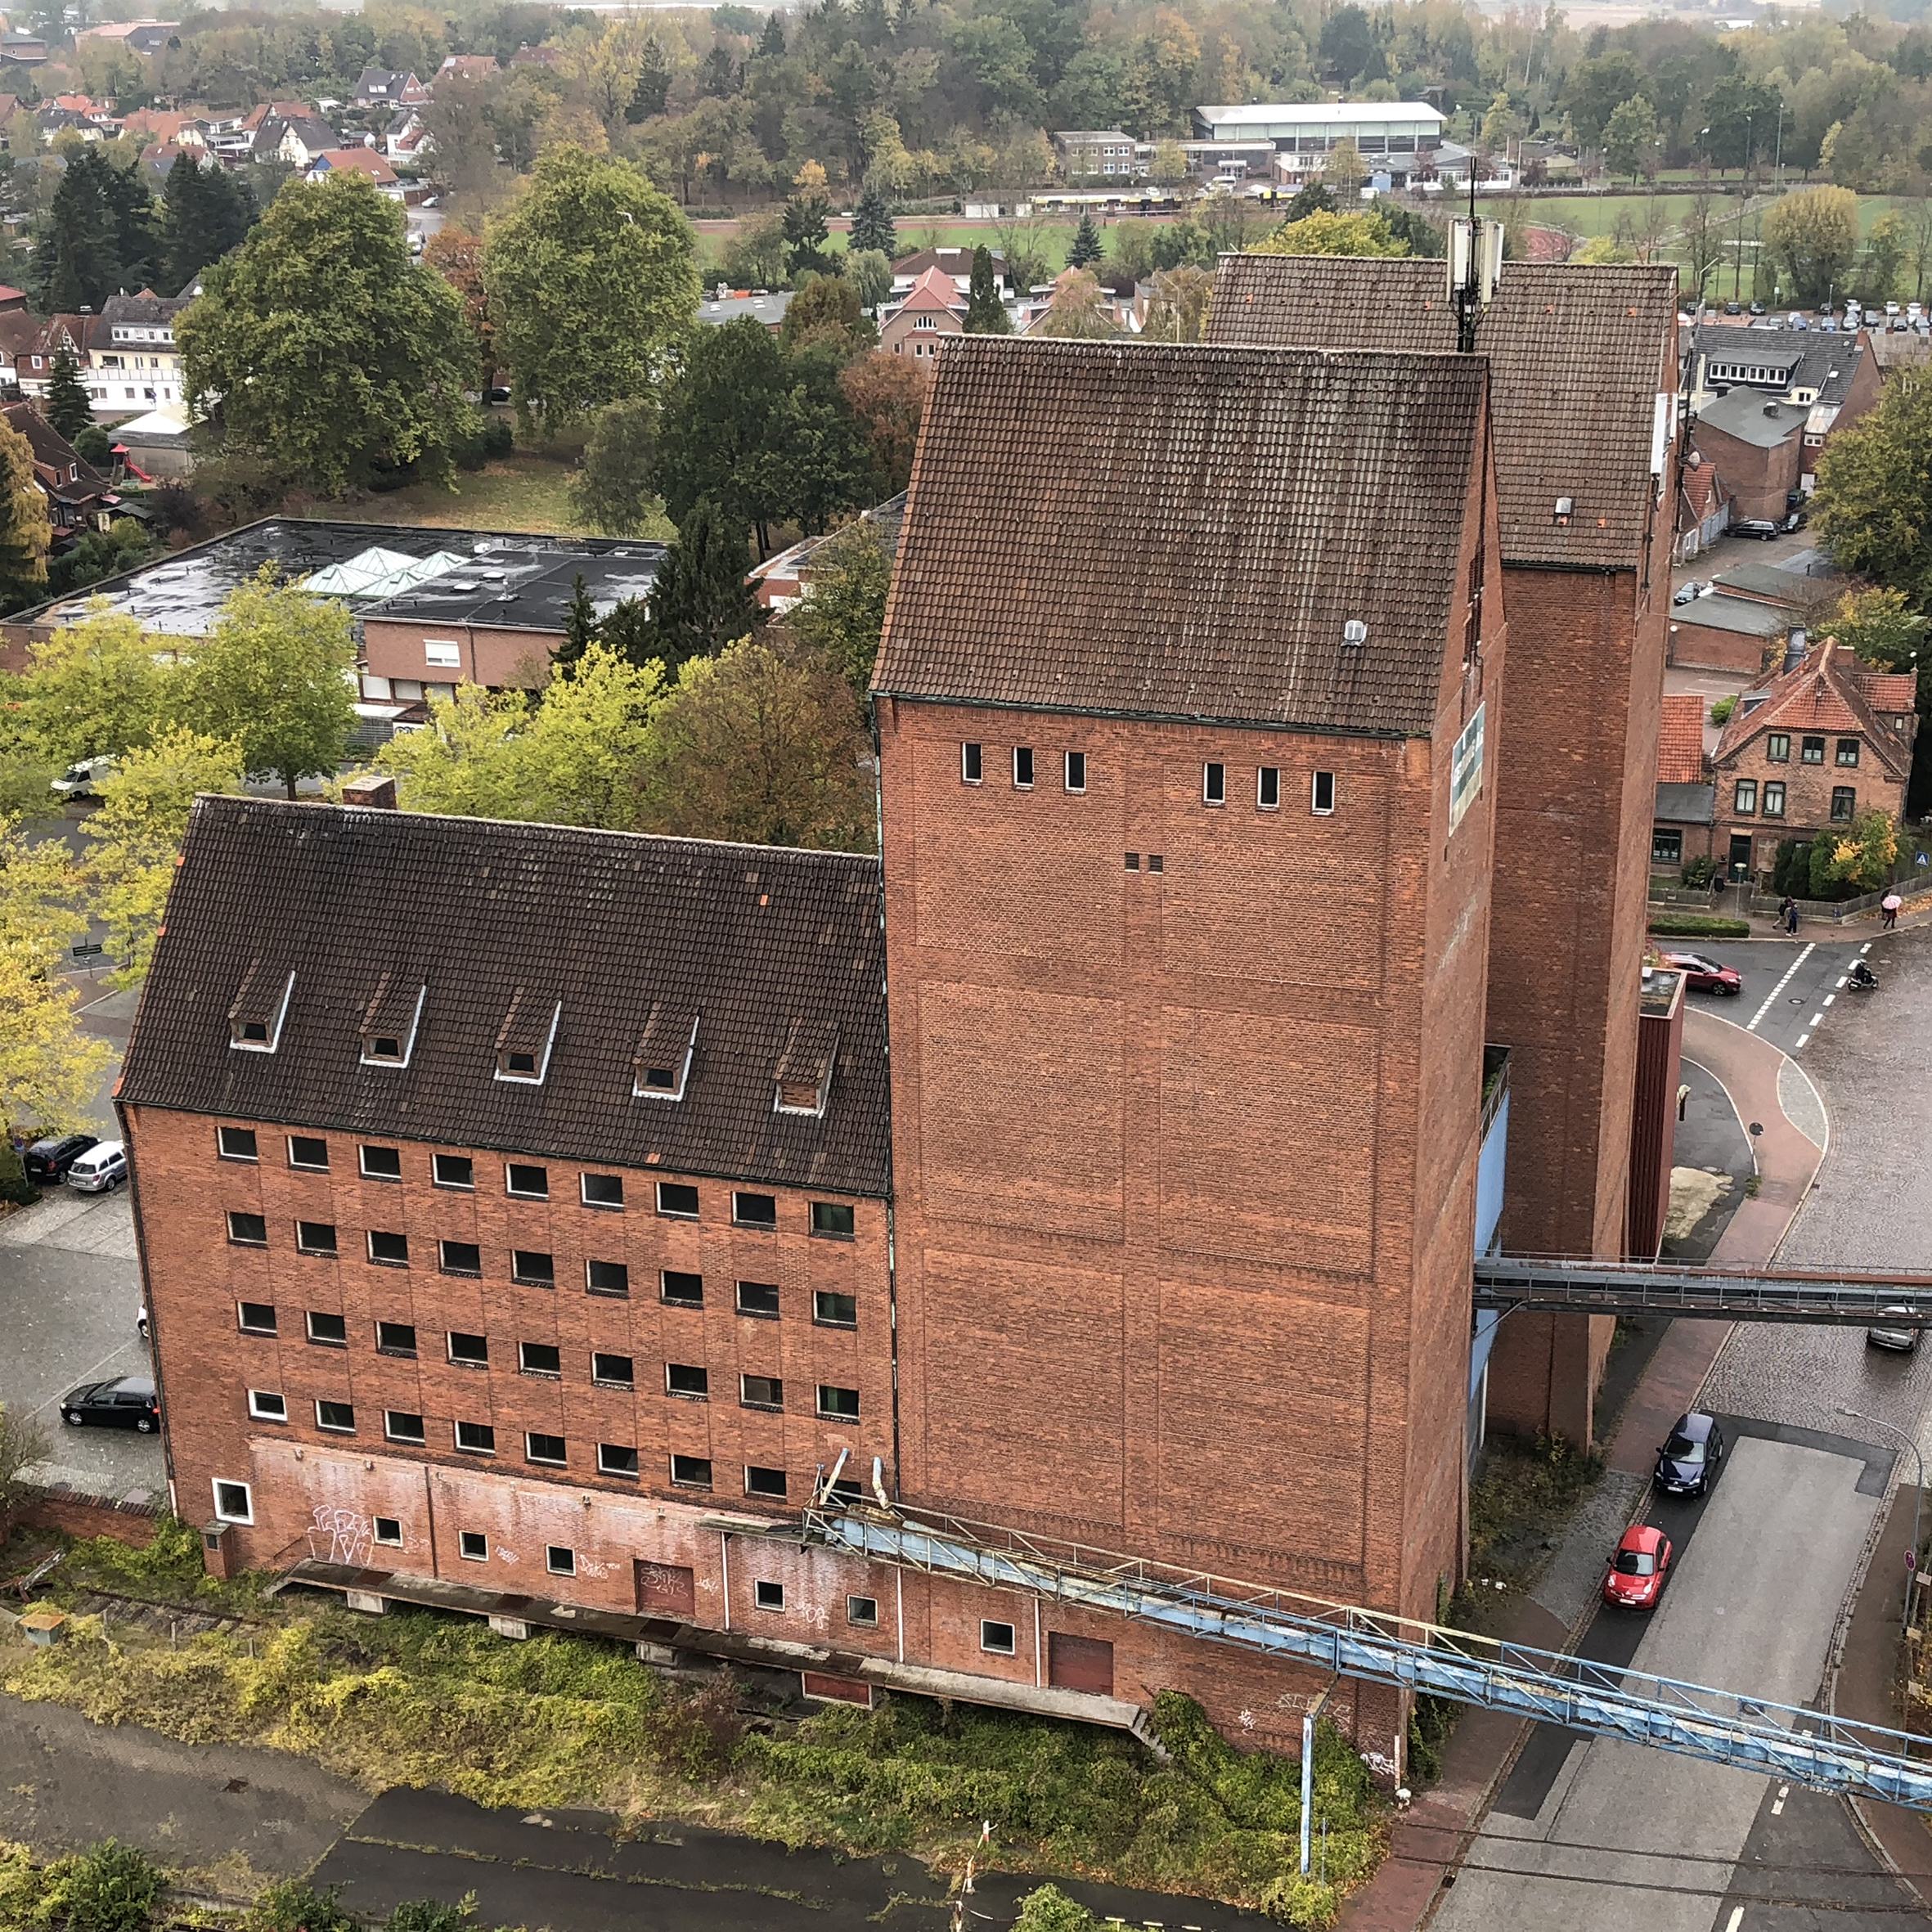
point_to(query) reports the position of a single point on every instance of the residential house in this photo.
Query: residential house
(466, 67)
(139, 37)
(298, 141)
(1686, 807)
(784, 580)
(234, 138)
(164, 126)
(356, 160)
(1898, 351)
(79, 497)
(407, 136)
(28, 347)
(1585, 362)
(1085, 155)
(22, 50)
(956, 263)
(542, 55)
(1723, 633)
(932, 309)
(136, 365)
(12, 301)
(1703, 506)
(377, 87)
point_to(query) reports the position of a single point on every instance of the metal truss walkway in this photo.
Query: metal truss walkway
(1811, 1748)
(1565, 1286)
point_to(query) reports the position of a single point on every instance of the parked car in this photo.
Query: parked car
(1891, 308)
(1688, 1464)
(129, 1403)
(48, 1160)
(81, 780)
(1795, 519)
(1733, 308)
(1757, 309)
(1901, 1337)
(1706, 975)
(1760, 528)
(1798, 321)
(499, 395)
(1639, 1565)
(102, 1168)
(1689, 593)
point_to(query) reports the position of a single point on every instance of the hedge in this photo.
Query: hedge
(1694, 926)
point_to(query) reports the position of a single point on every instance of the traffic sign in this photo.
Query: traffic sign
(88, 952)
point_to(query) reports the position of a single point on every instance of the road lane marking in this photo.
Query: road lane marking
(1818, 1020)
(1802, 1038)
(1737, 1919)
(1771, 999)
(1830, 997)
(1843, 982)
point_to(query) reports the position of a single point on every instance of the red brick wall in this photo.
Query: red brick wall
(1653, 1127)
(393, 650)
(1697, 647)
(87, 1516)
(1760, 479)
(1808, 789)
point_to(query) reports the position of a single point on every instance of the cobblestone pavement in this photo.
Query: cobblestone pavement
(1868, 1209)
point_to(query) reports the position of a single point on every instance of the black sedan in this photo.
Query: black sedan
(1688, 1464)
(48, 1160)
(129, 1403)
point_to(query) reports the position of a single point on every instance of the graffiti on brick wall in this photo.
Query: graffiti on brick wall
(339, 1535)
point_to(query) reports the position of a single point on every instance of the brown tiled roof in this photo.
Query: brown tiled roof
(1680, 740)
(759, 943)
(1825, 693)
(1890, 691)
(1580, 351)
(1179, 531)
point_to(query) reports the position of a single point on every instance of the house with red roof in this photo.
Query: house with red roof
(932, 310)
(356, 160)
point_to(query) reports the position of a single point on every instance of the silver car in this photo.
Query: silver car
(103, 1166)
(1903, 1338)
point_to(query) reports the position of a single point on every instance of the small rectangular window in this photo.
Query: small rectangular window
(315, 1237)
(862, 1610)
(533, 1270)
(388, 1531)
(831, 1218)
(307, 1153)
(548, 1450)
(1745, 801)
(838, 1405)
(1022, 767)
(996, 1637)
(232, 1503)
(454, 1171)
(1774, 800)
(1214, 785)
(1267, 787)
(682, 1291)
(380, 1163)
(1667, 846)
(607, 1278)
(458, 1257)
(331, 1330)
(247, 1230)
(616, 1371)
(969, 764)
(830, 1310)
(337, 1418)
(255, 1318)
(400, 1426)
(1076, 771)
(764, 1482)
(758, 1298)
(474, 1546)
(471, 1350)
(1811, 751)
(479, 1439)
(559, 1561)
(761, 1391)
(1156, 862)
(678, 1200)
(266, 1406)
(616, 1459)
(1777, 747)
(1133, 861)
(236, 1144)
(691, 1472)
(767, 1595)
(395, 1338)
(755, 1210)
(1321, 797)
(539, 1358)
(686, 1379)
(530, 1183)
(1847, 751)
(441, 656)
(1844, 804)
(604, 1190)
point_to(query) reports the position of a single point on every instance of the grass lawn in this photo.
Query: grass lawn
(524, 491)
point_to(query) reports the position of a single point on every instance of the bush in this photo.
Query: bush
(1699, 873)
(109, 1888)
(491, 440)
(1691, 925)
(1790, 871)
(293, 1905)
(1720, 712)
(1050, 1909)
(14, 1184)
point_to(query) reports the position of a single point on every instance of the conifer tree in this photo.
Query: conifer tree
(986, 314)
(68, 408)
(872, 223)
(1087, 247)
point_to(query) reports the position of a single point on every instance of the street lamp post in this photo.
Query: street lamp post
(1917, 1494)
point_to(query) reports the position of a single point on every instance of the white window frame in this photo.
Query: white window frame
(407, 1043)
(760, 1585)
(530, 1455)
(519, 1193)
(432, 661)
(543, 1059)
(1019, 784)
(1066, 769)
(583, 1190)
(966, 745)
(1214, 782)
(245, 1515)
(640, 1091)
(551, 1552)
(464, 1537)
(605, 1468)
(237, 1044)
(390, 1435)
(363, 1169)
(1008, 1649)
(333, 1428)
(376, 1536)
(1261, 772)
(221, 1141)
(256, 1397)
(471, 1448)
(1314, 794)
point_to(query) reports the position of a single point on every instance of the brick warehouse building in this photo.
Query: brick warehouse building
(601, 1255)
(1585, 398)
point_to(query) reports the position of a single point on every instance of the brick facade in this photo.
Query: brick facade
(399, 650)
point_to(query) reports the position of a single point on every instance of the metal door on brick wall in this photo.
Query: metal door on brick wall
(665, 1589)
(1079, 1662)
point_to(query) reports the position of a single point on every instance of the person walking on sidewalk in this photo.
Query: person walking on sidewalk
(1888, 905)
(1787, 914)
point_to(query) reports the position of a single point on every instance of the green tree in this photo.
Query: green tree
(1050, 1910)
(1332, 235)
(762, 744)
(872, 224)
(1813, 235)
(1857, 860)
(1078, 310)
(870, 274)
(321, 345)
(1087, 247)
(827, 310)
(580, 630)
(96, 688)
(68, 408)
(25, 533)
(1873, 502)
(205, 211)
(49, 1070)
(136, 832)
(274, 676)
(755, 256)
(843, 611)
(1885, 255)
(716, 437)
(698, 600)
(1629, 137)
(1178, 311)
(1343, 169)
(591, 280)
(615, 491)
(99, 235)
(806, 234)
(1597, 87)
(986, 314)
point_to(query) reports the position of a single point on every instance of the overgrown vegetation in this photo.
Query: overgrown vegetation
(1525, 1492)
(416, 1699)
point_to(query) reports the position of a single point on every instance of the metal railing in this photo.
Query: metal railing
(1815, 1749)
(1560, 1286)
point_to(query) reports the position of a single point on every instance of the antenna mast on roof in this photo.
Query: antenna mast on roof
(1474, 267)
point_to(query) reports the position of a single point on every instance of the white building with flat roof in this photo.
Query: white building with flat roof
(1376, 127)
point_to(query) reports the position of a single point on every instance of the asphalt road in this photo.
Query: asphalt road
(1792, 988)
(1630, 1837)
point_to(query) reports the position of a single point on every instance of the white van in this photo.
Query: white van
(81, 780)
(102, 1167)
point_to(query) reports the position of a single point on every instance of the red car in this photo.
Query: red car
(1706, 976)
(1637, 1567)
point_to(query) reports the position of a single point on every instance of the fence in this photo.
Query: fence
(1740, 902)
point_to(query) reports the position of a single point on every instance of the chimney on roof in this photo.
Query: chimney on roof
(374, 791)
(1794, 648)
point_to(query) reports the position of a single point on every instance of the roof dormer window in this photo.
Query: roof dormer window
(389, 1025)
(663, 1063)
(525, 1044)
(255, 1019)
(802, 1081)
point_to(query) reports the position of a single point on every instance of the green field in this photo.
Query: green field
(528, 491)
